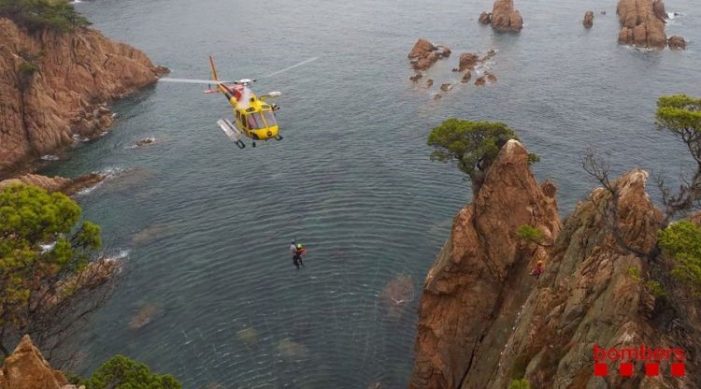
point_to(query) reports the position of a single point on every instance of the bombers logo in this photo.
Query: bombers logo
(628, 356)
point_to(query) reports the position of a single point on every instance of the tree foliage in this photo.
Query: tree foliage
(681, 115)
(58, 15)
(42, 251)
(682, 242)
(121, 372)
(473, 145)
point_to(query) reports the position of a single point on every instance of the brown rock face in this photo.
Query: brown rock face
(26, 368)
(676, 42)
(588, 19)
(642, 24)
(53, 86)
(471, 287)
(424, 54)
(505, 18)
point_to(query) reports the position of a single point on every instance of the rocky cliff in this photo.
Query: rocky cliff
(485, 321)
(476, 284)
(26, 368)
(642, 23)
(55, 85)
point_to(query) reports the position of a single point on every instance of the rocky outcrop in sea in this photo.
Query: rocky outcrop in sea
(504, 17)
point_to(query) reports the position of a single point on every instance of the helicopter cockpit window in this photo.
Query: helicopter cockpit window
(269, 118)
(255, 121)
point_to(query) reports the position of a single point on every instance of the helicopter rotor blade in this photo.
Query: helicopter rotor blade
(193, 81)
(292, 67)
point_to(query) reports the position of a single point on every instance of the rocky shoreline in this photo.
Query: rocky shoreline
(56, 87)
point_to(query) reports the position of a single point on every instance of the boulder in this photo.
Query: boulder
(466, 77)
(416, 77)
(588, 19)
(468, 61)
(676, 42)
(26, 368)
(481, 81)
(446, 87)
(485, 18)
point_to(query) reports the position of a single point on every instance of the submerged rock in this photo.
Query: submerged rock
(248, 335)
(145, 315)
(292, 350)
(145, 141)
(416, 77)
(429, 83)
(397, 294)
(466, 77)
(446, 87)
(468, 61)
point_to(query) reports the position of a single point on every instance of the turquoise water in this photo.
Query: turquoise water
(207, 225)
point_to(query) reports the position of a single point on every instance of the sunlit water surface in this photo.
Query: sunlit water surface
(207, 225)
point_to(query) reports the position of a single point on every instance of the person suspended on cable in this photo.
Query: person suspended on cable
(537, 270)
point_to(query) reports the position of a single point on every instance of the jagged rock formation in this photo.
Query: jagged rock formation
(56, 184)
(471, 288)
(54, 86)
(424, 54)
(642, 23)
(504, 17)
(588, 21)
(483, 321)
(676, 42)
(26, 368)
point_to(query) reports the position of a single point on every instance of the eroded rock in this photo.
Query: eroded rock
(588, 21)
(640, 23)
(504, 17)
(424, 54)
(26, 368)
(475, 282)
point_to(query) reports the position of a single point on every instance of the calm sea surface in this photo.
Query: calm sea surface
(206, 226)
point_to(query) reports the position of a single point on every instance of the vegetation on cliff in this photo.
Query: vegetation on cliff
(682, 242)
(58, 15)
(121, 372)
(45, 250)
(681, 115)
(473, 145)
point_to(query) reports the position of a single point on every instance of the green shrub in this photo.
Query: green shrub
(27, 69)
(530, 234)
(655, 288)
(58, 15)
(121, 372)
(682, 242)
(520, 384)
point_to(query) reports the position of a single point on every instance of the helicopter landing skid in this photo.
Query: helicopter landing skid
(231, 132)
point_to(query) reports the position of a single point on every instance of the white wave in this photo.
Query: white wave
(80, 139)
(108, 174)
(49, 157)
(121, 254)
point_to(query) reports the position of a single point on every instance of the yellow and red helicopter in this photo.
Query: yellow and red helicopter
(254, 117)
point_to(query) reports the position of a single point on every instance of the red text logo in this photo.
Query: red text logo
(627, 357)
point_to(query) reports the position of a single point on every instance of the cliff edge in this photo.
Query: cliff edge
(54, 86)
(475, 287)
(484, 321)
